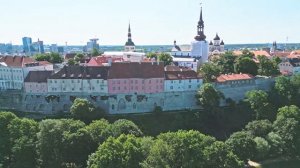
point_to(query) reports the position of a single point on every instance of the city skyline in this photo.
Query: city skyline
(152, 22)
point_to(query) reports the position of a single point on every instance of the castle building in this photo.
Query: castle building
(129, 45)
(217, 46)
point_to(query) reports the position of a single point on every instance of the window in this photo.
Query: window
(112, 107)
(190, 86)
(171, 87)
(97, 81)
(190, 80)
(55, 81)
(149, 81)
(136, 81)
(119, 88)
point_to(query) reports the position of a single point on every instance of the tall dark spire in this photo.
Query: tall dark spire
(129, 41)
(200, 29)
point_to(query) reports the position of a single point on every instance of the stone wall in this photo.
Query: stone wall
(121, 103)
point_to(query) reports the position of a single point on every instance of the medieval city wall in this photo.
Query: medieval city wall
(52, 103)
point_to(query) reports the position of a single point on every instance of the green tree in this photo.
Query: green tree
(123, 126)
(42, 57)
(284, 90)
(124, 151)
(226, 62)
(259, 128)
(246, 65)
(78, 57)
(55, 58)
(259, 103)
(276, 144)
(96, 52)
(289, 112)
(71, 61)
(5, 147)
(77, 147)
(152, 55)
(52, 141)
(208, 97)
(262, 148)
(289, 131)
(267, 67)
(181, 149)
(242, 144)
(209, 72)
(23, 138)
(99, 130)
(166, 58)
(84, 110)
(219, 155)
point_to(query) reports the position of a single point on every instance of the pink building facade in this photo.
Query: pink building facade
(145, 77)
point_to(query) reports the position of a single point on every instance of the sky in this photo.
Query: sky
(152, 21)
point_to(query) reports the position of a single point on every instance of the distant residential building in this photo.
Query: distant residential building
(13, 70)
(129, 45)
(126, 56)
(133, 77)
(191, 63)
(36, 82)
(217, 46)
(6, 48)
(27, 45)
(290, 66)
(178, 79)
(60, 49)
(54, 48)
(92, 44)
(79, 79)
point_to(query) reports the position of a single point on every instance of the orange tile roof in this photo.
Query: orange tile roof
(234, 77)
(261, 52)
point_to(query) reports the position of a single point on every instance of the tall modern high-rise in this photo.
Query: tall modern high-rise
(92, 44)
(27, 45)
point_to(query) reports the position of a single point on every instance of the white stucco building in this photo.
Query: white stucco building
(127, 56)
(14, 69)
(181, 79)
(79, 79)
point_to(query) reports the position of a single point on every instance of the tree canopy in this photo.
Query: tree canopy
(209, 72)
(208, 96)
(246, 65)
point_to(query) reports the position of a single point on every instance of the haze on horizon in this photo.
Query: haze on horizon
(152, 21)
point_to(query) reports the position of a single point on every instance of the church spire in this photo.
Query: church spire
(200, 29)
(129, 41)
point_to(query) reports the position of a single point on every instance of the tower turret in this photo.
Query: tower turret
(129, 45)
(200, 29)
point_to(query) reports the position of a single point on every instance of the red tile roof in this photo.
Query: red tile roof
(234, 77)
(99, 61)
(123, 70)
(17, 61)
